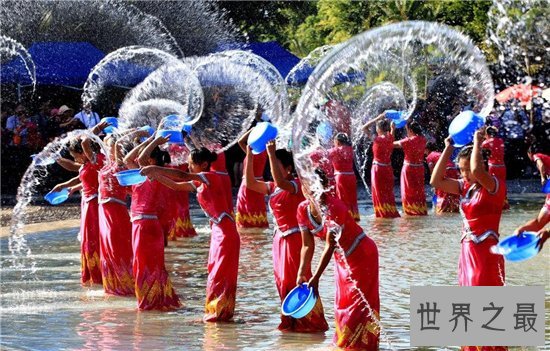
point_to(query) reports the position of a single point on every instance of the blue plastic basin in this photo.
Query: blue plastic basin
(299, 302)
(260, 135)
(546, 187)
(55, 198)
(463, 127)
(130, 177)
(175, 135)
(187, 128)
(393, 114)
(113, 124)
(324, 132)
(519, 247)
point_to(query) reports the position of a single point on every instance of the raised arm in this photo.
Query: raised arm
(280, 180)
(69, 165)
(145, 153)
(130, 158)
(99, 127)
(367, 125)
(250, 181)
(542, 169)
(243, 140)
(87, 148)
(478, 166)
(438, 179)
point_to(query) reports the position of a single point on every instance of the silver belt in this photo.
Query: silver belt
(355, 244)
(288, 232)
(142, 216)
(112, 199)
(407, 163)
(496, 165)
(221, 173)
(257, 178)
(381, 164)
(344, 173)
(469, 236)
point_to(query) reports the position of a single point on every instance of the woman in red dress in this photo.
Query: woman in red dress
(444, 202)
(87, 153)
(251, 209)
(496, 159)
(115, 228)
(285, 194)
(383, 199)
(153, 287)
(175, 219)
(542, 162)
(223, 257)
(219, 167)
(413, 197)
(357, 301)
(481, 200)
(341, 156)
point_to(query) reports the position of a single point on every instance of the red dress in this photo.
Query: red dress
(383, 199)
(481, 211)
(175, 219)
(115, 234)
(89, 221)
(546, 161)
(223, 257)
(154, 290)
(477, 265)
(445, 202)
(356, 325)
(413, 196)
(219, 167)
(251, 209)
(496, 161)
(321, 160)
(346, 182)
(287, 246)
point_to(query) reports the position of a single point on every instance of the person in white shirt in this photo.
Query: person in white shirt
(88, 117)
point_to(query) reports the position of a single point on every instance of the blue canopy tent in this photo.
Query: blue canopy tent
(272, 51)
(57, 63)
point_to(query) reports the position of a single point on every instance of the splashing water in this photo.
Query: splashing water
(389, 66)
(237, 86)
(33, 177)
(171, 85)
(10, 48)
(125, 67)
(428, 57)
(108, 25)
(307, 65)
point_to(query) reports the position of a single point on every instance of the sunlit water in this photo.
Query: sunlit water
(52, 311)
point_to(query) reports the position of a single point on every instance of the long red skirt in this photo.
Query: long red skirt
(175, 218)
(115, 233)
(383, 199)
(153, 287)
(89, 247)
(346, 190)
(500, 173)
(478, 266)
(356, 327)
(223, 268)
(286, 261)
(413, 196)
(251, 209)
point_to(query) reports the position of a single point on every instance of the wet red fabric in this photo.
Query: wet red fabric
(383, 198)
(251, 209)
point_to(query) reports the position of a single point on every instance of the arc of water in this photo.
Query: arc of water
(11, 47)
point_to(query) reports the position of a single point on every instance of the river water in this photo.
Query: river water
(49, 310)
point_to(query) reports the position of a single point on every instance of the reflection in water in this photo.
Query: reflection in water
(54, 312)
